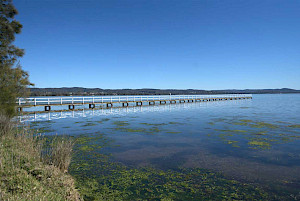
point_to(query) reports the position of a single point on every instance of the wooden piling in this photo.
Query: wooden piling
(126, 104)
(47, 107)
(71, 107)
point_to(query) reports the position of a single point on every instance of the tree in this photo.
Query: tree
(14, 81)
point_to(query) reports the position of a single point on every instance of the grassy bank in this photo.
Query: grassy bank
(31, 171)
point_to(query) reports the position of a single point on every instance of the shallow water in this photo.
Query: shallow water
(252, 141)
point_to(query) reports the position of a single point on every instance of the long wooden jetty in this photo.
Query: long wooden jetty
(123, 101)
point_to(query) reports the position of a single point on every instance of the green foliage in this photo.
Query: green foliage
(13, 80)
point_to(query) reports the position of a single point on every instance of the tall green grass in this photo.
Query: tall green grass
(57, 151)
(27, 171)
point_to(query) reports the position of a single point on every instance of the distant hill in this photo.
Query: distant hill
(66, 91)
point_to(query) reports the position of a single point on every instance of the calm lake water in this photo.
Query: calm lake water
(255, 142)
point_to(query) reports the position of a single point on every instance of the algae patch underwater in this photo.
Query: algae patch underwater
(258, 134)
(99, 177)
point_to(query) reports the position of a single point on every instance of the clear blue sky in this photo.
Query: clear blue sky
(205, 44)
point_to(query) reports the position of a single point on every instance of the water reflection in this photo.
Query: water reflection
(52, 115)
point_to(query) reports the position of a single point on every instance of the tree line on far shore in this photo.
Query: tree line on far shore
(80, 91)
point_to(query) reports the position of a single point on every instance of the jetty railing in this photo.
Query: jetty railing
(80, 100)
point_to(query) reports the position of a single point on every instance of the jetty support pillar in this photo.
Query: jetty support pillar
(19, 109)
(71, 107)
(47, 107)
(162, 102)
(151, 102)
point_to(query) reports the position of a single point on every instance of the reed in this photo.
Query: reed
(58, 152)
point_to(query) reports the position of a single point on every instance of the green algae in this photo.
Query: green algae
(44, 130)
(233, 143)
(231, 131)
(160, 124)
(123, 127)
(266, 132)
(66, 127)
(99, 178)
(153, 184)
(35, 122)
(261, 133)
(263, 124)
(45, 122)
(132, 130)
(121, 123)
(282, 122)
(152, 130)
(91, 142)
(255, 124)
(285, 139)
(88, 124)
(257, 139)
(294, 126)
(259, 144)
(173, 132)
(219, 119)
(223, 135)
(247, 120)
(84, 140)
(102, 120)
(86, 148)
(174, 122)
(240, 123)
(40, 124)
(239, 131)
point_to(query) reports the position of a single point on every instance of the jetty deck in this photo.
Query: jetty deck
(123, 101)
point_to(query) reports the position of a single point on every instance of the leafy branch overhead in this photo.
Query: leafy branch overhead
(13, 79)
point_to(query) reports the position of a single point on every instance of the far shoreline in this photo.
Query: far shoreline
(80, 91)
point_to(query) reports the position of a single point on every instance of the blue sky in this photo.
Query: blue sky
(205, 44)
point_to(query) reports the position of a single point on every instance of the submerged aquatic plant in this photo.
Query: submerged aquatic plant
(259, 134)
(174, 132)
(121, 123)
(259, 144)
(294, 126)
(88, 124)
(99, 178)
(244, 107)
(158, 124)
